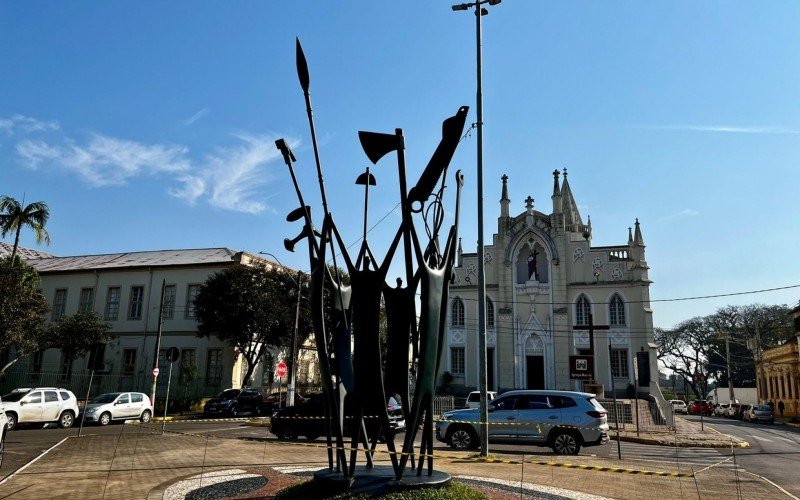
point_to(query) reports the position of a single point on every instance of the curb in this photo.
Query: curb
(679, 444)
(258, 423)
(791, 424)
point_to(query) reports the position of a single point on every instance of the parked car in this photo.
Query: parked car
(40, 405)
(232, 402)
(721, 409)
(679, 406)
(700, 406)
(3, 432)
(474, 398)
(111, 406)
(759, 413)
(733, 410)
(739, 415)
(277, 401)
(562, 420)
(308, 420)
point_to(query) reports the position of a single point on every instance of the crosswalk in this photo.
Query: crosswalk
(695, 458)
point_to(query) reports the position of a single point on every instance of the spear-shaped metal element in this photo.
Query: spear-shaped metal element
(366, 179)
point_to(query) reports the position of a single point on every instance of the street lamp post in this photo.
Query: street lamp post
(482, 382)
(290, 393)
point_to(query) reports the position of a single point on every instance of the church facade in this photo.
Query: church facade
(545, 283)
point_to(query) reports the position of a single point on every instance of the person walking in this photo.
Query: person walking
(781, 407)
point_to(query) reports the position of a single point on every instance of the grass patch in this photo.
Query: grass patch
(312, 490)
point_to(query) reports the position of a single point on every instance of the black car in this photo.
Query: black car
(308, 420)
(233, 402)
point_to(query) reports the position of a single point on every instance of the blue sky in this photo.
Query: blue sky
(149, 125)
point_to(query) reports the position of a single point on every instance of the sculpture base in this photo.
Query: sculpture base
(380, 478)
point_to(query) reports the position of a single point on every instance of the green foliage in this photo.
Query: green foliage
(248, 307)
(14, 217)
(75, 335)
(312, 490)
(22, 307)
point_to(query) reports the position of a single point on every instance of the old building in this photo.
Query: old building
(778, 373)
(125, 290)
(543, 281)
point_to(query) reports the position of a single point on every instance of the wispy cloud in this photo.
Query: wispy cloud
(724, 129)
(104, 160)
(229, 177)
(686, 212)
(200, 114)
(26, 124)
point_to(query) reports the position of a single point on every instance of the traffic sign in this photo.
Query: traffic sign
(173, 354)
(155, 371)
(281, 370)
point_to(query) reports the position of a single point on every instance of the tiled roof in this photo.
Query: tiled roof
(136, 259)
(25, 253)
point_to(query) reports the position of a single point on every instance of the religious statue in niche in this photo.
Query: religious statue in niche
(533, 272)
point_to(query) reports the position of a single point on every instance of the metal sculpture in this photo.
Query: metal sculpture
(354, 376)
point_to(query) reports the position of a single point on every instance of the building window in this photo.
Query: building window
(214, 367)
(59, 303)
(191, 294)
(457, 360)
(457, 313)
(97, 356)
(616, 311)
(65, 372)
(128, 362)
(137, 300)
(188, 366)
(582, 310)
(112, 303)
(87, 300)
(489, 313)
(619, 363)
(169, 302)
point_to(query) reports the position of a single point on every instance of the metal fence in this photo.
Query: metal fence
(443, 404)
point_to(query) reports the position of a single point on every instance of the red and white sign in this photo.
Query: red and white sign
(281, 370)
(155, 371)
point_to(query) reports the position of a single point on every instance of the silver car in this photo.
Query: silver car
(119, 406)
(562, 420)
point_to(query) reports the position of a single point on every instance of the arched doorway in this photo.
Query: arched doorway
(534, 363)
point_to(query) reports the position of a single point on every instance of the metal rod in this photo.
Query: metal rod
(166, 399)
(158, 343)
(293, 375)
(614, 396)
(86, 403)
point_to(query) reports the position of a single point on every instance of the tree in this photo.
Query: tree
(75, 335)
(685, 350)
(250, 308)
(22, 307)
(13, 217)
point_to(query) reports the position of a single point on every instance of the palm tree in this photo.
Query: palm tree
(13, 217)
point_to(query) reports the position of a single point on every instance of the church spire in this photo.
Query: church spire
(460, 251)
(637, 238)
(504, 201)
(571, 214)
(556, 197)
(630, 237)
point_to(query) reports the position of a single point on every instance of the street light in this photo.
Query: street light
(290, 393)
(484, 409)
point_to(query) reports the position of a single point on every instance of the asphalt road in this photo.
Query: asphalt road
(774, 450)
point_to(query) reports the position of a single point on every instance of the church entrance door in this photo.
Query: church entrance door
(535, 370)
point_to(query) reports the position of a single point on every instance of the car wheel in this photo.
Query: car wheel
(104, 419)
(286, 435)
(234, 412)
(462, 438)
(566, 443)
(12, 421)
(66, 420)
(145, 417)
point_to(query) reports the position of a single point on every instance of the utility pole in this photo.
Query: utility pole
(728, 362)
(158, 343)
(293, 375)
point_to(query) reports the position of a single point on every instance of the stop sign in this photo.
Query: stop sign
(155, 371)
(281, 369)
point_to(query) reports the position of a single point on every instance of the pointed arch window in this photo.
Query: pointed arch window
(616, 311)
(489, 313)
(457, 313)
(582, 310)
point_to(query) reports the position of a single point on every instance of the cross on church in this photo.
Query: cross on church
(591, 327)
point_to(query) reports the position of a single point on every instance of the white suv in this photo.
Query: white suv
(42, 404)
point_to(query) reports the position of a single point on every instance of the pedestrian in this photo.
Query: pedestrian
(781, 407)
(771, 406)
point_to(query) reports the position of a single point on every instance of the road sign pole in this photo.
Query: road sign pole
(616, 408)
(166, 398)
(86, 403)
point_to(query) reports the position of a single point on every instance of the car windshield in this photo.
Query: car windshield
(596, 404)
(105, 398)
(15, 396)
(761, 408)
(228, 394)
